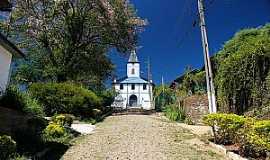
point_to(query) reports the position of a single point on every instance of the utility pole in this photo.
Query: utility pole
(208, 68)
(162, 82)
(150, 82)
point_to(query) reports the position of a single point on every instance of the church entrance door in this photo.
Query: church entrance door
(133, 101)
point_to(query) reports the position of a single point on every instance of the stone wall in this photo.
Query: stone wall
(196, 107)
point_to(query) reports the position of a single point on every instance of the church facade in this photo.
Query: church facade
(133, 90)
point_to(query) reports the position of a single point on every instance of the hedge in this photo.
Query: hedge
(227, 125)
(252, 135)
(69, 98)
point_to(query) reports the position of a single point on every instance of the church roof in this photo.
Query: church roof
(134, 80)
(133, 57)
(130, 80)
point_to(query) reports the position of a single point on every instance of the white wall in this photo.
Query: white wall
(136, 67)
(5, 62)
(142, 95)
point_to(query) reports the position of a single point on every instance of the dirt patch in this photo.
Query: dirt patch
(198, 130)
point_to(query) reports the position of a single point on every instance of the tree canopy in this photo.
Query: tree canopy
(69, 40)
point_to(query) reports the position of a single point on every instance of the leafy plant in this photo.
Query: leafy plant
(63, 119)
(57, 133)
(225, 126)
(250, 134)
(7, 147)
(13, 98)
(78, 49)
(54, 130)
(107, 97)
(241, 70)
(175, 113)
(65, 98)
(256, 138)
(163, 95)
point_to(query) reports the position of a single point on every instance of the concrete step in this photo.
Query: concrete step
(133, 111)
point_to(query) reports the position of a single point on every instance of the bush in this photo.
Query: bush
(54, 130)
(256, 138)
(252, 135)
(15, 99)
(65, 98)
(7, 147)
(225, 126)
(63, 119)
(175, 113)
(107, 97)
(58, 133)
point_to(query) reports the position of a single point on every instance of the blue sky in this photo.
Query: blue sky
(172, 43)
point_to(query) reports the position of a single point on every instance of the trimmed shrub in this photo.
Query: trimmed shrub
(7, 147)
(15, 99)
(225, 126)
(54, 130)
(65, 98)
(63, 119)
(175, 113)
(256, 138)
(57, 133)
(252, 135)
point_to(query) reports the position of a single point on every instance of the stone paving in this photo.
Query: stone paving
(140, 137)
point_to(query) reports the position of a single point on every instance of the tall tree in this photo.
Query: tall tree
(70, 39)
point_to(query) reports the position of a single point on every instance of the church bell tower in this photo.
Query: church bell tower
(133, 65)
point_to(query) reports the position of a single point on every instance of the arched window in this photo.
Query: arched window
(132, 71)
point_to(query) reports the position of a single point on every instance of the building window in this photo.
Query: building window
(144, 86)
(132, 71)
(133, 87)
(121, 86)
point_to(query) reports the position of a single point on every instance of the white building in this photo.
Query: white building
(7, 51)
(134, 91)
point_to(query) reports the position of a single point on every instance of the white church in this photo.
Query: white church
(133, 90)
